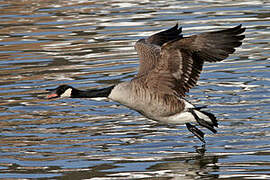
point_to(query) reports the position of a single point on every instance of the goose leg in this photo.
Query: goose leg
(200, 149)
(198, 133)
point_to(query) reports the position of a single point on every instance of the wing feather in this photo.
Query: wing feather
(180, 61)
(149, 49)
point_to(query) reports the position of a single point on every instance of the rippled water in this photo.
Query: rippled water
(89, 44)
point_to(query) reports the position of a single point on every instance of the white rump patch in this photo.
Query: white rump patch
(180, 118)
(188, 105)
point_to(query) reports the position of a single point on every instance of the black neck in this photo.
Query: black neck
(92, 93)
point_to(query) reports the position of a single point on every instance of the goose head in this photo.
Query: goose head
(62, 91)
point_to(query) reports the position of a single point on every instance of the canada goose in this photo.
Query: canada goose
(170, 65)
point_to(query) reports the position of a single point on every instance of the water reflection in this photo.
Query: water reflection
(90, 44)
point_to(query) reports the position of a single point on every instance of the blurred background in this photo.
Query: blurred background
(89, 44)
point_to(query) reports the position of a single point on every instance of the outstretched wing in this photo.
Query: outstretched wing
(149, 49)
(181, 61)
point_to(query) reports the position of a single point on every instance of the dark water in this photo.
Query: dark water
(89, 44)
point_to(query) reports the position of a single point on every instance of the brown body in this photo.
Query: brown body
(170, 65)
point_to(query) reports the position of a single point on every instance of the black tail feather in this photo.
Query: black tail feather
(204, 123)
(210, 115)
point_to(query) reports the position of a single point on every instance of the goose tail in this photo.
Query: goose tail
(204, 118)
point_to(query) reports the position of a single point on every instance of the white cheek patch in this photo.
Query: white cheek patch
(67, 93)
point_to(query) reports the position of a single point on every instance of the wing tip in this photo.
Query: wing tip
(176, 28)
(238, 29)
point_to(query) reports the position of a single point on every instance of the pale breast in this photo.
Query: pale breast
(149, 103)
